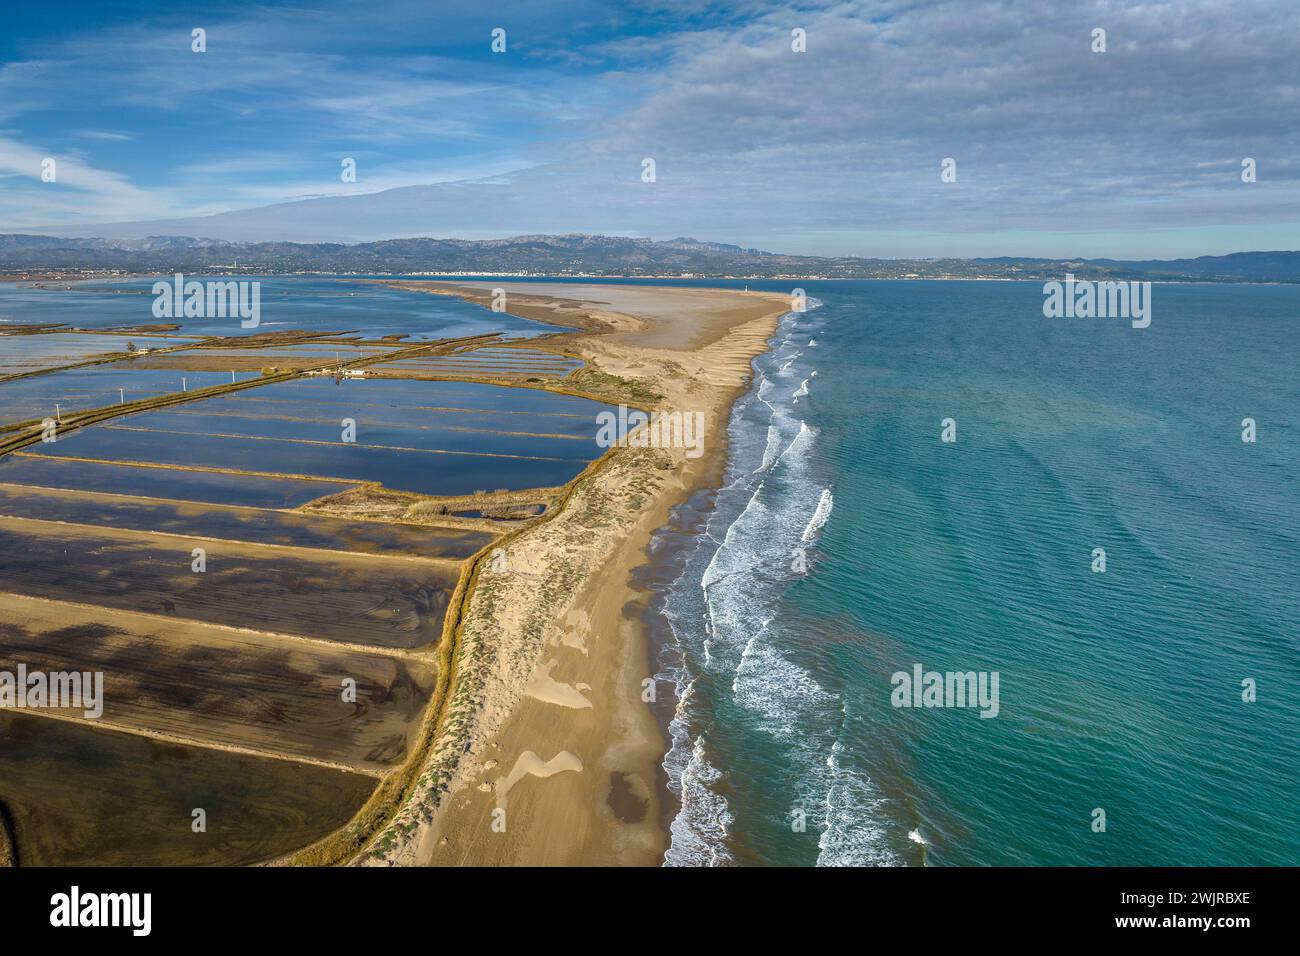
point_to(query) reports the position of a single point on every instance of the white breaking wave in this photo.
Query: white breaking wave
(799, 443)
(812, 343)
(699, 831)
(781, 691)
(735, 619)
(850, 834)
(815, 523)
(772, 451)
(764, 388)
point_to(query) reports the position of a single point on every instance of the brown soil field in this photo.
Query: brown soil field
(362, 600)
(85, 796)
(210, 685)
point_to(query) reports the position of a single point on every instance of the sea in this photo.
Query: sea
(1148, 704)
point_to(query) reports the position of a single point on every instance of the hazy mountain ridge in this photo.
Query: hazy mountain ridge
(580, 254)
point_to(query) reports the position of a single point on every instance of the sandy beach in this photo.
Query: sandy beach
(547, 748)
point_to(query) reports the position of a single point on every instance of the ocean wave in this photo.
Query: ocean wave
(781, 691)
(851, 834)
(699, 831)
(772, 449)
(824, 505)
(799, 444)
(728, 619)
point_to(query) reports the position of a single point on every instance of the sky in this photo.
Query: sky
(838, 149)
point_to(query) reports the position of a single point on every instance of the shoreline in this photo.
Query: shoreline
(548, 754)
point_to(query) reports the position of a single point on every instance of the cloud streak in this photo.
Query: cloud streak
(1059, 150)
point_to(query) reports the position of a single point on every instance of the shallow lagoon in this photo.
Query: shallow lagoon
(287, 302)
(28, 353)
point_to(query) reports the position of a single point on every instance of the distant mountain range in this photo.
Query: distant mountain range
(585, 255)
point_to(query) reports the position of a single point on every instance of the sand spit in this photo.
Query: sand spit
(549, 656)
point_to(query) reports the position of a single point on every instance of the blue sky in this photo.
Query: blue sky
(1060, 151)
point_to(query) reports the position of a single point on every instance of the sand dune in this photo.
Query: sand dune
(552, 658)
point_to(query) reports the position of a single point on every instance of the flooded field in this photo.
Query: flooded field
(444, 436)
(325, 393)
(421, 471)
(212, 487)
(255, 525)
(341, 351)
(263, 576)
(72, 390)
(517, 422)
(307, 356)
(88, 796)
(209, 685)
(30, 353)
(296, 429)
(361, 600)
(489, 363)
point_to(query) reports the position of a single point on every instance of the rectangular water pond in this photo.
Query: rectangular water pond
(28, 353)
(410, 393)
(240, 524)
(576, 426)
(72, 390)
(444, 436)
(422, 472)
(363, 600)
(213, 487)
(497, 362)
(213, 686)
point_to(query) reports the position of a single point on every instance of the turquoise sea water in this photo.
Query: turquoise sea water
(1119, 691)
